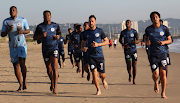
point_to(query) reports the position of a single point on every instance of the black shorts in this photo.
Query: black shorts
(114, 44)
(70, 52)
(97, 62)
(158, 61)
(77, 56)
(46, 55)
(131, 56)
(85, 58)
(168, 59)
(110, 45)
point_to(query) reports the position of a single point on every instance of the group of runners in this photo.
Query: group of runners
(85, 46)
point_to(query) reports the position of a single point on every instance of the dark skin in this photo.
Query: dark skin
(128, 62)
(52, 63)
(79, 30)
(21, 63)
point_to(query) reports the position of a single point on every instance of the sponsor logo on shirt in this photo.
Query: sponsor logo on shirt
(18, 24)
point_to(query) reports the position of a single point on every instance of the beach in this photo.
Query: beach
(73, 88)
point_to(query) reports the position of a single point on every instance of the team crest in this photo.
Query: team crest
(52, 29)
(18, 24)
(161, 33)
(164, 63)
(97, 34)
(127, 56)
(132, 35)
(154, 66)
(92, 66)
(61, 39)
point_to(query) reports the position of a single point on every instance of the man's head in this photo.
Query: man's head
(47, 15)
(155, 17)
(128, 24)
(69, 30)
(75, 27)
(79, 28)
(13, 12)
(161, 21)
(86, 25)
(92, 21)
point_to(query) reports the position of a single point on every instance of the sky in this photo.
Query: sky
(78, 11)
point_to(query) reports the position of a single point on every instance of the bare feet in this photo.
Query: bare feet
(163, 95)
(55, 92)
(98, 93)
(63, 64)
(105, 85)
(24, 87)
(73, 66)
(159, 82)
(82, 76)
(51, 88)
(134, 83)
(20, 89)
(156, 88)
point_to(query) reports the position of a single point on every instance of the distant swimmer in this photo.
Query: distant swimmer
(70, 46)
(131, 38)
(61, 51)
(16, 27)
(96, 38)
(76, 42)
(49, 32)
(85, 54)
(155, 35)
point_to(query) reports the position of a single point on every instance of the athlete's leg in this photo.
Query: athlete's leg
(63, 59)
(71, 59)
(96, 81)
(103, 76)
(128, 64)
(59, 61)
(49, 72)
(163, 82)
(54, 63)
(18, 74)
(134, 63)
(23, 71)
(85, 66)
(155, 75)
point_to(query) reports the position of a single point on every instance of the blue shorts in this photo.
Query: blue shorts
(158, 61)
(97, 62)
(131, 56)
(15, 53)
(85, 58)
(46, 55)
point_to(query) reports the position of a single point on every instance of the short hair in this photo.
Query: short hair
(69, 29)
(161, 20)
(75, 24)
(85, 22)
(92, 16)
(78, 26)
(46, 12)
(154, 12)
(127, 21)
(13, 7)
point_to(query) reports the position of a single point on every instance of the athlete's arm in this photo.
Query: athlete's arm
(5, 29)
(37, 34)
(83, 43)
(168, 41)
(105, 42)
(146, 37)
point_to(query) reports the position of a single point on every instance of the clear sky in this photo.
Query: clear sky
(78, 11)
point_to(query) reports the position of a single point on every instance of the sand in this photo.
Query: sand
(73, 88)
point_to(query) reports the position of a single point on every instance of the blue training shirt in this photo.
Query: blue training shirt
(15, 39)
(49, 44)
(61, 43)
(128, 36)
(70, 46)
(155, 35)
(94, 35)
(76, 39)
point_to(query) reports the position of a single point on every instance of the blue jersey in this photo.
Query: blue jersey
(155, 35)
(76, 39)
(61, 43)
(128, 37)
(94, 35)
(15, 39)
(70, 46)
(49, 44)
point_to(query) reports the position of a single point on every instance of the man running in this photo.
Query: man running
(76, 43)
(61, 50)
(70, 46)
(156, 34)
(130, 40)
(49, 32)
(85, 54)
(115, 43)
(96, 38)
(16, 27)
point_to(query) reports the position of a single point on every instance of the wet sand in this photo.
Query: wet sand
(73, 88)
